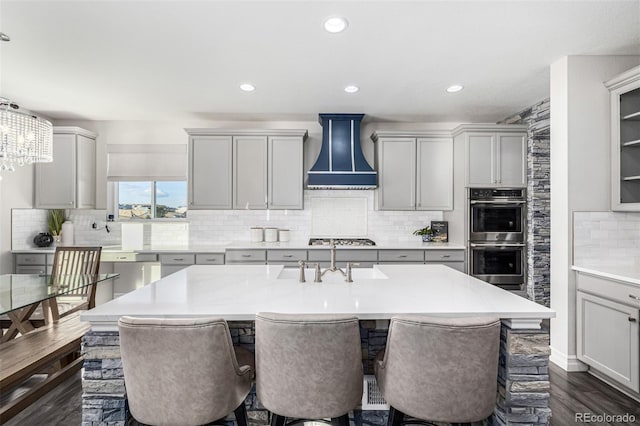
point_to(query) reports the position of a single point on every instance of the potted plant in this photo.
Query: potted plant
(425, 232)
(55, 219)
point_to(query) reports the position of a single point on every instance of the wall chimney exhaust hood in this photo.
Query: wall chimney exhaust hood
(341, 163)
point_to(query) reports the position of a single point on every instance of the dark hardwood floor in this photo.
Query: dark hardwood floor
(570, 393)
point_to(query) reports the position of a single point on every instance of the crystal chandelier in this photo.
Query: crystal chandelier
(24, 137)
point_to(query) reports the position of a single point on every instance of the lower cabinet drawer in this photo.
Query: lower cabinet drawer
(444, 255)
(34, 270)
(178, 259)
(401, 256)
(210, 259)
(286, 255)
(345, 255)
(246, 256)
(615, 290)
(31, 259)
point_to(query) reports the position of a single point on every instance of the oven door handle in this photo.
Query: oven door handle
(497, 202)
(496, 245)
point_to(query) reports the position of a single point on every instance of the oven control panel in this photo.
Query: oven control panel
(496, 193)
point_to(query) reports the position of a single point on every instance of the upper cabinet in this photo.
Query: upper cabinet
(246, 169)
(415, 170)
(625, 140)
(495, 155)
(70, 180)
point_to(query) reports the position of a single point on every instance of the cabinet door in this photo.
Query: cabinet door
(285, 173)
(434, 174)
(480, 159)
(86, 172)
(397, 174)
(55, 182)
(511, 160)
(250, 172)
(210, 159)
(608, 338)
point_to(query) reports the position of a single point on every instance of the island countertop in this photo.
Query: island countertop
(238, 292)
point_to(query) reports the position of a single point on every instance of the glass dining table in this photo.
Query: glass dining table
(20, 295)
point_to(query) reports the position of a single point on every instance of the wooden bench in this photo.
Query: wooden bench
(53, 347)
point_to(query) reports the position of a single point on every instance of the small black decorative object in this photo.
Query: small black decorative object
(441, 231)
(43, 239)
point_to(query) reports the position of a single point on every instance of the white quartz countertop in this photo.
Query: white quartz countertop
(627, 274)
(221, 247)
(239, 292)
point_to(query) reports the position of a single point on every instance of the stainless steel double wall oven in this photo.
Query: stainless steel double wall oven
(497, 235)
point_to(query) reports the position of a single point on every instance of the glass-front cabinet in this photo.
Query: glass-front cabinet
(625, 140)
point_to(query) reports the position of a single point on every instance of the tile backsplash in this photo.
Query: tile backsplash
(606, 239)
(326, 213)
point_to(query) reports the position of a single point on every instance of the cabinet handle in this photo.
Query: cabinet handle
(634, 297)
(70, 202)
(213, 259)
(632, 319)
(178, 259)
(122, 257)
(402, 256)
(246, 255)
(287, 255)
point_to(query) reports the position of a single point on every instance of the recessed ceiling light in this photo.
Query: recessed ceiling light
(247, 87)
(4, 37)
(454, 88)
(351, 89)
(336, 24)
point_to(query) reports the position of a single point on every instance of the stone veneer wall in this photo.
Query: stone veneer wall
(523, 378)
(538, 199)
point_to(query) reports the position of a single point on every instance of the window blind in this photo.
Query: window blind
(146, 162)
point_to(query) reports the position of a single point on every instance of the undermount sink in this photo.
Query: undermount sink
(333, 277)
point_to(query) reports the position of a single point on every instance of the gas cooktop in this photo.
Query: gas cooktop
(341, 242)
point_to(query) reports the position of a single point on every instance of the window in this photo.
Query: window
(152, 200)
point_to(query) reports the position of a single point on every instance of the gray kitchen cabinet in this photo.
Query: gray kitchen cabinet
(247, 257)
(415, 170)
(364, 258)
(37, 263)
(288, 258)
(401, 256)
(434, 190)
(70, 180)
(210, 177)
(285, 172)
(625, 140)
(246, 169)
(210, 259)
(608, 335)
(495, 154)
(174, 262)
(250, 172)
(451, 258)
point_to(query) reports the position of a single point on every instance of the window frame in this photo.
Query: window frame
(114, 194)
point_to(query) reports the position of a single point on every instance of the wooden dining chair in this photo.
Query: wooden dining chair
(74, 267)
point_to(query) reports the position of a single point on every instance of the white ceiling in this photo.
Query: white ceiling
(125, 60)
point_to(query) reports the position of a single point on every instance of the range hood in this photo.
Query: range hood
(341, 163)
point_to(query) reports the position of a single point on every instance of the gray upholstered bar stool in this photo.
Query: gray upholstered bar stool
(308, 366)
(439, 369)
(183, 371)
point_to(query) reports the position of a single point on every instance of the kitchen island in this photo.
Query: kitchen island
(237, 293)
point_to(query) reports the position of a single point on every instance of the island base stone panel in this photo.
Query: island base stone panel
(523, 378)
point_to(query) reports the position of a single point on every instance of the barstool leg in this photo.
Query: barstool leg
(395, 417)
(277, 420)
(241, 414)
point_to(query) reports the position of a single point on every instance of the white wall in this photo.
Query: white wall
(580, 178)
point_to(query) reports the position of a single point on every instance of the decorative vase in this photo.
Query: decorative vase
(43, 239)
(426, 238)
